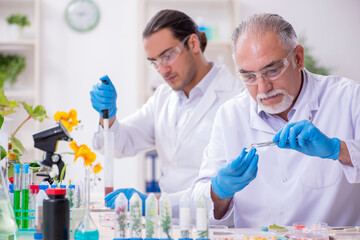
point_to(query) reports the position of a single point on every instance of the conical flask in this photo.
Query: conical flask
(8, 226)
(87, 230)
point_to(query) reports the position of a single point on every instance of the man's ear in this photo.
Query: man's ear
(299, 56)
(193, 43)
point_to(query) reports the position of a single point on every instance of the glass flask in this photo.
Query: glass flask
(8, 226)
(87, 229)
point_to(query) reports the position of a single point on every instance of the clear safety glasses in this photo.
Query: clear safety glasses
(270, 73)
(169, 57)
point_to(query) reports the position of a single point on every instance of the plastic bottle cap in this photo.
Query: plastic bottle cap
(26, 168)
(43, 187)
(38, 236)
(17, 167)
(11, 188)
(34, 189)
(56, 191)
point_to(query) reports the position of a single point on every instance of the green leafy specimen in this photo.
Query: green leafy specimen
(277, 228)
(150, 222)
(203, 234)
(135, 214)
(166, 220)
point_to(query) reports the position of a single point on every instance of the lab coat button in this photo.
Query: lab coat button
(284, 180)
(281, 213)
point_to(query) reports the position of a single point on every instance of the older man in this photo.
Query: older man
(318, 116)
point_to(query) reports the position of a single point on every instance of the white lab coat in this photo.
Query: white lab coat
(153, 127)
(290, 186)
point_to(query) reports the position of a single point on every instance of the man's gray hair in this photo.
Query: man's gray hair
(259, 24)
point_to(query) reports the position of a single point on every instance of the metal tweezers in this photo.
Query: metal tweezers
(263, 144)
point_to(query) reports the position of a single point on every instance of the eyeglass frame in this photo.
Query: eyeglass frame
(156, 63)
(263, 73)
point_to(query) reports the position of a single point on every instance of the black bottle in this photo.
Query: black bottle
(56, 215)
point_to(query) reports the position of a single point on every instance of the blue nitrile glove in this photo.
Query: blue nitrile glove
(236, 175)
(304, 137)
(103, 96)
(128, 192)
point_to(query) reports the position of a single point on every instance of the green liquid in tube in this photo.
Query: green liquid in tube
(17, 206)
(25, 206)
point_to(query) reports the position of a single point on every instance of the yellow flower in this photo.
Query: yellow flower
(69, 120)
(12, 155)
(97, 168)
(84, 152)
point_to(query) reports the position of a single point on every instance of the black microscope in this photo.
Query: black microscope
(47, 141)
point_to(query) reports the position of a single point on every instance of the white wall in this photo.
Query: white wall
(330, 27)
(71, 62)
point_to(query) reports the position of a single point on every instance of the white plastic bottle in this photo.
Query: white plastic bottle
(39, 213)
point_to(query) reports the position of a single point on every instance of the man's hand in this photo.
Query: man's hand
(235, 175)
(128, 192)
(304, 137)
(103, 96)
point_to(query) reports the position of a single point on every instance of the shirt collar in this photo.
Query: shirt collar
(202, 86)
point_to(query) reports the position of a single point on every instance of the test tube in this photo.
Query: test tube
(34, 190)
(151, 213)
(121, 206)
(70, 194)
(202, 219)
(39, 213)
(78, 197)
(11, 194)
(185, 217)
(165, 216)
(135, 216)
(17, 189)
(25, 196)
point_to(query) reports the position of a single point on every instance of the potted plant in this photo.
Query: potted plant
(10, 67)
(16, 23)
(16, 148)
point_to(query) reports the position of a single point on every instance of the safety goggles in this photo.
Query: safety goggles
(269, 73)
(169, 57)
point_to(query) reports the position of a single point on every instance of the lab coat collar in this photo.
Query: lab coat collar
(305, 106)
(222, 82)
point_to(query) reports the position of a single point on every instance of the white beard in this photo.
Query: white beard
(278, 108)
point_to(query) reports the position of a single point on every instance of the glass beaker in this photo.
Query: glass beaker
(8, 226)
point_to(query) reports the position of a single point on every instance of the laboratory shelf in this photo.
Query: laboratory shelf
(18, 43)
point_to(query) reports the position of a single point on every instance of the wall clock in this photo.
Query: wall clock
(82, 15)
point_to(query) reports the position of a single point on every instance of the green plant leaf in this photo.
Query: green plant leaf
(18, 19)
(3, 152)
(11, 171)
(6, 106)
(17, 144)
(38, 113)
(1, 121)
(28, 108)
(63, 173)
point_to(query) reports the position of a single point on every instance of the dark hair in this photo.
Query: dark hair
(180, 24)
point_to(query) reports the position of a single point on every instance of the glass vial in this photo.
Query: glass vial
(121, 206)
(202, 219)
(135, 216)
(165, 216)
(185, 217)
(151, 216)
